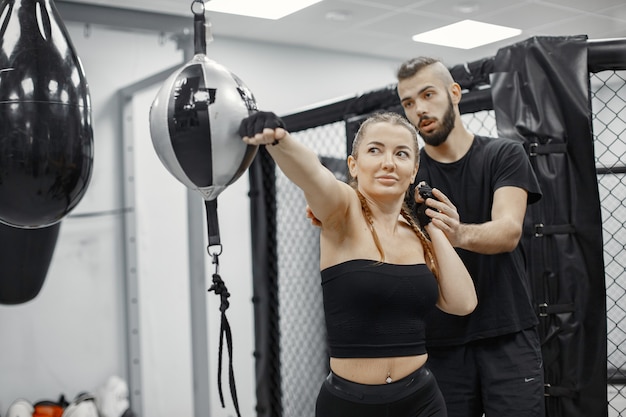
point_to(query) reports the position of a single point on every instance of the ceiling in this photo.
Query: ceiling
(367, 27)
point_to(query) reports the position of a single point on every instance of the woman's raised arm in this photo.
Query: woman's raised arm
(324, 194)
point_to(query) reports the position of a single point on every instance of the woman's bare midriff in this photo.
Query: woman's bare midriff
(374, 371)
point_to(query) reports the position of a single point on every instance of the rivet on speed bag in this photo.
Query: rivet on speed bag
(46, 139)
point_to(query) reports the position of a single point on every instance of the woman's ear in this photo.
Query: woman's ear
(352, 166)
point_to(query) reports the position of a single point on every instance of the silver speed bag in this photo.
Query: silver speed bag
(194, 122)
(46, 137)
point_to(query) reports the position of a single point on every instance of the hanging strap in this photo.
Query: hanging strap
(219, 287)
(212, 224)
(201, 27)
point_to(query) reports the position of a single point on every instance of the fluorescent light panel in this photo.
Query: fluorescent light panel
(466, 34)
(264, 9)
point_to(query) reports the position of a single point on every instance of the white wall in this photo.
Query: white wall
(72, 336)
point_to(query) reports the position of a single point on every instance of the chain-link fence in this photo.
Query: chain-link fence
(302, 347)
(303, 356)
(609, 127)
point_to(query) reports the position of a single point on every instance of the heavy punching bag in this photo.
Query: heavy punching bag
(46, 141)
(194, 122)
(25, 256)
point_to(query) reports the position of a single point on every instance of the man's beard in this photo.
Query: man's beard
(439, 136)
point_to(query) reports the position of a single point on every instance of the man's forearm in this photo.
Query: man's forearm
(489, 238)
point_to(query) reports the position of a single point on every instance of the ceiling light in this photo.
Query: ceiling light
(338, 15)
(466, 7)
(268, 9)
(466, 34)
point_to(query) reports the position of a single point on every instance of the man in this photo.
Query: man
(490, 361)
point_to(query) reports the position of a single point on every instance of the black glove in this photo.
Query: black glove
(256, 122)
(419, 211)
(425, 191)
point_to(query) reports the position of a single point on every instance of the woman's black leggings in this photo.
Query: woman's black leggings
(416, 395)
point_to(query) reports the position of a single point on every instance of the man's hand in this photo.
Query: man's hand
(314, 220)
(443, 215)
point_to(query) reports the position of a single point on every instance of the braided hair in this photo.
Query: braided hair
(406, 214)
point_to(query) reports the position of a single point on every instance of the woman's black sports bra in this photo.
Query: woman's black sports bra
(377, 309)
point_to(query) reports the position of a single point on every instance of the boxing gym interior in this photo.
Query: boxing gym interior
(136, 283)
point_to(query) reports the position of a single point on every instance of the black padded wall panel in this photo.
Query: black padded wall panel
(540, 90)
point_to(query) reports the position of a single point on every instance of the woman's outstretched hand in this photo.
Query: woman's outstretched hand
(262, 128)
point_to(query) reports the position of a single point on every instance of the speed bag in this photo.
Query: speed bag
(194, 122)
(46, 138)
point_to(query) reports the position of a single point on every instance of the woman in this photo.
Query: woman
(380, 272)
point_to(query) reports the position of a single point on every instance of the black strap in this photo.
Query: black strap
(556, 391)
(213, 225)
(545, 309)
(220, 289)
(540, 229)
(199, 35)
(535, 148)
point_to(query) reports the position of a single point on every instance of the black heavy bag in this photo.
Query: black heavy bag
(46, 140)
(541, 97)
(24, 258)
